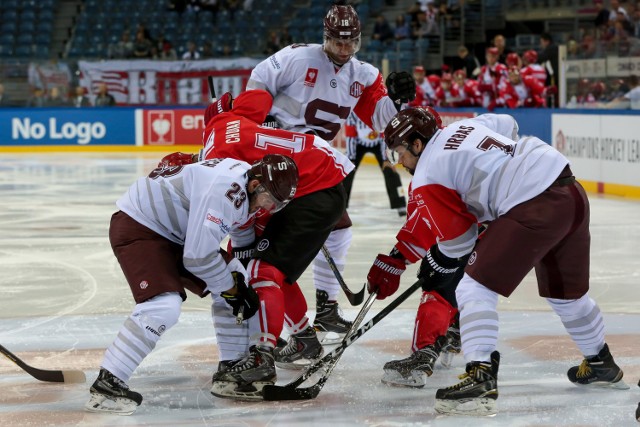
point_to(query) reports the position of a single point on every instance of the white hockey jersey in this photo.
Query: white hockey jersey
(196, 206)
(312, 94)
(468, 174)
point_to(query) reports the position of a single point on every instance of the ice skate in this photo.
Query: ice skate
(599, 370)
(112, 395)
(476, 394)
(329, 323)
(302, 349)
(453, 345)
(413, 370)
(244, 379)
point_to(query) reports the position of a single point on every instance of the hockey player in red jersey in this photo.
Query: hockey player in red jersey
(447, 94)
(539, 218)
(491, 76)
(467, 89)
(314, 88)
(530, 67)
(521, 91)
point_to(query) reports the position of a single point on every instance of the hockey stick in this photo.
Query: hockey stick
(354, 299)
(292, 392)
(212, 89)
(45, 375)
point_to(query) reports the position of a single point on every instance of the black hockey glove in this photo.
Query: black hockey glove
(271, 122)
(401, 87)
(440, 271)
(245, 302)
(244, 254)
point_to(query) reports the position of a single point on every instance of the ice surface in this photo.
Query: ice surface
(63, 298)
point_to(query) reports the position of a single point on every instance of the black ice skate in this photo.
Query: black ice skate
(244, 379)
(476, 394)
(329, 323)
(452, 346)
(413, 370)
(300, 351)
(599, 370)
(110, 394)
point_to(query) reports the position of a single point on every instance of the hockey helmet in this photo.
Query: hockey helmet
(278, 176)
(408, 125)
(341, 33)
(530, 56)
(512, 59)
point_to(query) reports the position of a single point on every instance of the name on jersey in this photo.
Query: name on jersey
(456, 139)
(232, 132)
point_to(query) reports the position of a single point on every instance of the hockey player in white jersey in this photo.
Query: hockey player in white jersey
(465, 174)
(314, 88)
(166, 237)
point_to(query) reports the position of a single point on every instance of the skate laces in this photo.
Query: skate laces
(584, 370)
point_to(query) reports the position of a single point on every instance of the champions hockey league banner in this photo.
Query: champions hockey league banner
(146, 82)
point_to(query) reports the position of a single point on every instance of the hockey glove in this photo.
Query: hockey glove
(401, 87)
(384, 275)
(245, 301)
(177, 159)
(271, 122)
(438, 270)
(222, 105)
(244, 254)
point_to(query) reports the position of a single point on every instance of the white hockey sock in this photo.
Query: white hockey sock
(478, 319)
(324, 279)
(583, 321)
(140, 333)
(232, 339)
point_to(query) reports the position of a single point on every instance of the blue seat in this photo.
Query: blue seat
(27, 27)
(42, 39)
(41, 51)
(6, 51)
(7, 39)
(9, 4)
(8, 27)
(25, 38)
(27, 15)
(23, 51)
(374, 45)
(9, 15)
(45, 15)
(405, 45)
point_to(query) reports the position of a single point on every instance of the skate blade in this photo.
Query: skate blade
(446, 359)
(473, 407)
(620, 385)
(103, 404)
(229, 390)
(417, 379)
(329, 338)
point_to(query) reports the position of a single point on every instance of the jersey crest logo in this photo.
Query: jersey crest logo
(356, 89)
(310, 78)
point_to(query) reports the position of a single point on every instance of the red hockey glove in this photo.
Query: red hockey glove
(384, 275)
(222, 105)
(177, 159)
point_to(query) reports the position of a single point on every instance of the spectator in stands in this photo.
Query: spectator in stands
(273, 43)
(601, 20)
(382, 30)
(192, 52)
(4, 99)
(500, 43)
(402, 30)
(141, 45)
(549, 57)
(37, 98)
(615, 9)
(80, 99)
(104, 98)
(573, 50)
(55, 98)
(631, 99)
(225, 51)
(123, 48)
(167, 52)
(468, 62)
(285, 38)
(207, 50)
(427, 24)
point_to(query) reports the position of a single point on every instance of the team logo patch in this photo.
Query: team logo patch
(333, 83)
(262, 245)
(473, 257)
(356, 89)
(311, 77)
(144, 284)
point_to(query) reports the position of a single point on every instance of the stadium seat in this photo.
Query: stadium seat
(23, 51)
(25, 38)
(9, 15)
(45, 15)
(41, 51)
(27, 27)
(27, 15)
(42, 39)
(8, 27)
(7, 39)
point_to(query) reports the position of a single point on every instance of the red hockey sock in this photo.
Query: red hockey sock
(434, 316)
(295, 308)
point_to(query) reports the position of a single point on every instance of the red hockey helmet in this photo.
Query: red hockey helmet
(341, 33)
(278, 176)
(408, 125)
(460, 74)
(512, 59)
(530, 56)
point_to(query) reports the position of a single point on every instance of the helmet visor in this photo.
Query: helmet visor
(341, 50)
(394, 154)
(267, 201)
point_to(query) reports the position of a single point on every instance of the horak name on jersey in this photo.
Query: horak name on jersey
(456, 139)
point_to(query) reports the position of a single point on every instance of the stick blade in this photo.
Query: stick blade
(356, 299)
(74, 377)
(278, 393)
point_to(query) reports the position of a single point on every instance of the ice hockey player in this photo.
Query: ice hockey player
(166, 237)
(539, 218)
(314, 88)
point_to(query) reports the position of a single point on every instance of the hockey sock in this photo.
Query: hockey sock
(583, 321)
(232, 339)
(478, 319)
(140, 333)
(324, 279)
(266, 326)
(432, 320)
(295, 309)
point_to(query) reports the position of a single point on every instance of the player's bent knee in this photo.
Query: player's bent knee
(470, 290)
(158, 314)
